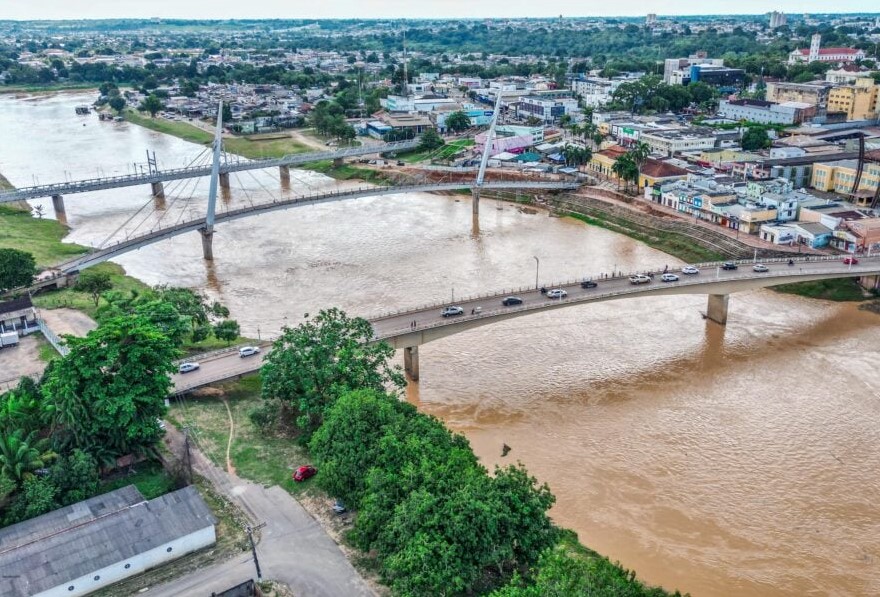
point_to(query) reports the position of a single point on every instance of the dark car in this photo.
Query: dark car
(728, 265)
(509, 301)
(850, 260)
(304, 472)
(588, 284)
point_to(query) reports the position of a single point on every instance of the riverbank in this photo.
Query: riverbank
(43, 89)
(246, 147)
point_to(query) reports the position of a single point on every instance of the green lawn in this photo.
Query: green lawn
(256, 455)
(41, 237)
(841, 289)
(68, 297)
(442, 153)
(149, 477)
(252, 148)
(348, 172)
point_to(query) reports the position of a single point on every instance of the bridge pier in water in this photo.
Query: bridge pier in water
(475, 192)
(224, 180)
(158, 189)
(284, 172)
(717, 308)
(58, 206)
(411, 362)
(207, 244)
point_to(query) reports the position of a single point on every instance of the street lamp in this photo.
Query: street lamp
(537, 268)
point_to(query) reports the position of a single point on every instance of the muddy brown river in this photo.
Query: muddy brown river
(737, 461)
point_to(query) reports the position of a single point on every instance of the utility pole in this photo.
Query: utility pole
(254, 547)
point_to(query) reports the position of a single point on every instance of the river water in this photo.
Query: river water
(733, 461)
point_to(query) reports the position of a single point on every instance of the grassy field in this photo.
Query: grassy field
(841, 289)
(668, 242)
(255, 455)
(41, 237)
(46, 88)
(442, 153)
(4, 183)
(253, 148)
(348, 172)
(68, 297)
(149, 477)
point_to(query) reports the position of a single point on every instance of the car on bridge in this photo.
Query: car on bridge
(187, 367)
(669, 278)
(589, 284)
(246, 351)
(639, 279)
(509, 301)
(760, 268)
(689, 270)
(729, 265)
(452, 311)
(850, 260)
(556, 293)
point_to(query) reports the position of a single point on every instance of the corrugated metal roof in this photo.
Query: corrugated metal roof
(77, 540)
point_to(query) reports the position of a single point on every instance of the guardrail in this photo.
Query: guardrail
(615, 276)
(53, 338)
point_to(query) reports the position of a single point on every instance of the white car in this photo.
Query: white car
(556, 293)
(187, 367)
(452, 311)
(639, 279)
(246, 351)
(689, 270)
(760, 268)
(669, 278)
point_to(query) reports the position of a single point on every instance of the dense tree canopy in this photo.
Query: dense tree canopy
(17, 268)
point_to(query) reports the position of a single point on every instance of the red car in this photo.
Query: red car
(304, 472)
(850, 260)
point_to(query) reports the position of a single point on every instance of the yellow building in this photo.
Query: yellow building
(604, 160)
(858, 101)
(840, 176)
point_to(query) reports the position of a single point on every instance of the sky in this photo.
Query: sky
(334, 9)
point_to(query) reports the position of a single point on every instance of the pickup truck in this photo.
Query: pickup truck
(639, 279)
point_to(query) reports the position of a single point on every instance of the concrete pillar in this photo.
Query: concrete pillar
(158, 189)
(337, 162)
(207, 245)
(284, 171)
(717, 308)
(224, 180)
(411, 362)
(870, 282)
(476, 202)
(58, 205)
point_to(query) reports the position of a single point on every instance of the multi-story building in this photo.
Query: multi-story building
(777, 19)
(766, 112)
(858, 101)
(816, 53)
(840, 176)
(815, 94)
(596, 91)
(547, 109)
(671, 65)
(717, 76)
(671, 141)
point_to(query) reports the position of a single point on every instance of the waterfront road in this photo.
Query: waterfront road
(397, 328)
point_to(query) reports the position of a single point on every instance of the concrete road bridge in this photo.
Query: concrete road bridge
(156, 178)
(398, 330)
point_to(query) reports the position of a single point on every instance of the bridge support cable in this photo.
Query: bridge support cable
(208, 230)
(484, 160)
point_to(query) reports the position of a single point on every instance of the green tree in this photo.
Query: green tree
(23, 453)
(109, 391)
(151, 104)
(227, 113)
(755, 138)
(17, 268)
(626, 169)
(37, 496)
(458, 121)
(227, 330)
(311, 365)
(117, 103)
(94, 283)
(75, 476)
(430, 141)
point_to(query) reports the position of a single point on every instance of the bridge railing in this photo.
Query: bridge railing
(617, 276)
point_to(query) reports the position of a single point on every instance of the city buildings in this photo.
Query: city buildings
(840, 177)
(671, 66)
(766, 112)
(858, 101)
(815, 94)
(817, 53)
(546, 108)
(778, 19)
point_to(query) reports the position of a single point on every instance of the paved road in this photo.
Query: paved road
(396, 326)
(293, 547)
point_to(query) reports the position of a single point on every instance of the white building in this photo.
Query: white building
(80, 548)
(682, 65)
(817, 53)
(765, 112)
(549, 109)
(777, 19)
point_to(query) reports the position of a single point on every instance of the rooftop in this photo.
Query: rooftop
(41, 553)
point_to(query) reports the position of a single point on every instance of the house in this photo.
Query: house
(654, 172)
(17, 315)
(603, 161)
(88, 545)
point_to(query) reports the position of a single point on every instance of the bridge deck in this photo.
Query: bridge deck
(396, 328)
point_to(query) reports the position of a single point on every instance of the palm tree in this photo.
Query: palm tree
(626, 170)
(639, 152)
(21, 455)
